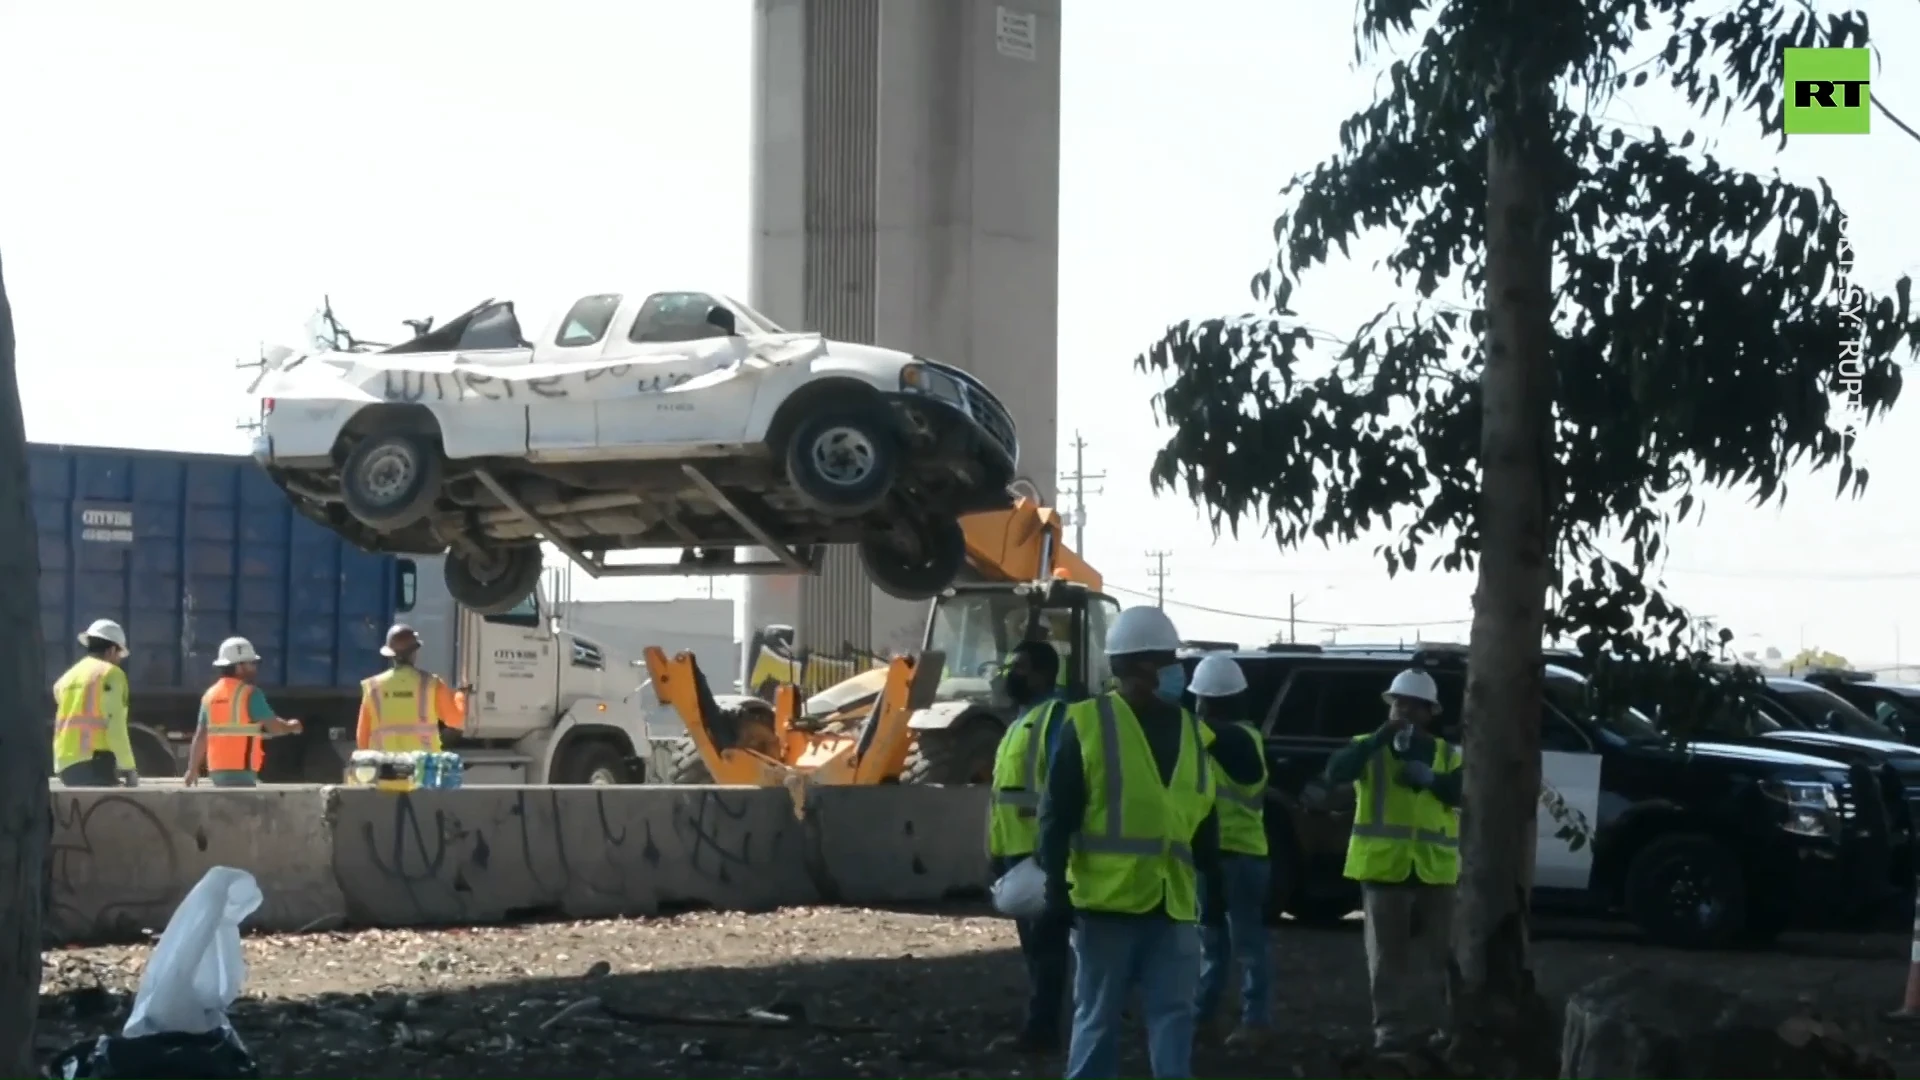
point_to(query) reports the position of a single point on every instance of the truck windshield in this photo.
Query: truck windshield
(976, 630)
(1571, 695)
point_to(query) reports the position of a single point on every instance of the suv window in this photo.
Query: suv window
(1332, 703)
(587, 321)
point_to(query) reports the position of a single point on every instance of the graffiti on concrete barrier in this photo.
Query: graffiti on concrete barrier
(91, 837)
(578, 850)
(716, 834)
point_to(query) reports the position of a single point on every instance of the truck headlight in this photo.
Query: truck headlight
(1812, 806)
(931, 382)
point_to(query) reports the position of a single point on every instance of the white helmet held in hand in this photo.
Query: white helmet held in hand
(236, 650)
(105, 630)
(1217, 676)
(1416, 684)
(1142, 630)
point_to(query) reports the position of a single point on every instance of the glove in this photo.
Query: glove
(1417, 774)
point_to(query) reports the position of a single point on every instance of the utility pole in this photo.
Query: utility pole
(1077, 479)
(1293, 628)
(1159, 575)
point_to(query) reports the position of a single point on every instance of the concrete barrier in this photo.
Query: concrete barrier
(122, 859)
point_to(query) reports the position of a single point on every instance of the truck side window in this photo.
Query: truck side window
(587, 321)
(406, 585)
(525, 613)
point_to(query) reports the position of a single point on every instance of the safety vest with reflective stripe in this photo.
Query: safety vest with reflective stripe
(1398, 831)
(404, 717)
(1134, 850)
(1242, 807)
(79, 719)
(1019, 772)
(233, 739)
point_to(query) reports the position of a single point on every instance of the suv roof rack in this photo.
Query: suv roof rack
(1290, 647)
(1837, 674)
(1203, 645)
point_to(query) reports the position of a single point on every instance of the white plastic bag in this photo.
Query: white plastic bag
(197, 969)
(1021, 893)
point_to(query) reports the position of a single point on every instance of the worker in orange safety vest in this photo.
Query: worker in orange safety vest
(401, 709)
(235, 720)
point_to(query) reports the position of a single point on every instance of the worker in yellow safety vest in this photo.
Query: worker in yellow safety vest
(1029, 678)
(1127, 833)
(235, 720)
(1405, 853)
(1220, 697)
(90, 743)
(401, 709)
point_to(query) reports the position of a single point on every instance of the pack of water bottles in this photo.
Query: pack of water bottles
(406, 772)
(440, 772)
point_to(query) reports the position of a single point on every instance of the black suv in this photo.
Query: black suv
(1865, 692)
(1700, 845)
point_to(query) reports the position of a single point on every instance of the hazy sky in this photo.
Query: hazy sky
(181, 180)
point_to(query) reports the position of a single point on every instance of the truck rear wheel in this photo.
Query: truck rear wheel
(953, 756)
(919, 564)
(496, 580)
(391, 480)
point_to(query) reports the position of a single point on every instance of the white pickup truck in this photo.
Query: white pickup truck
(681, 420)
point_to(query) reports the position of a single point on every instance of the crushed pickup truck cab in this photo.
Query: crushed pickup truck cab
(666, 420)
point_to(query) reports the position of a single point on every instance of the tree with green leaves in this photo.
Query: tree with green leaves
(26, 734)
(1597, 324)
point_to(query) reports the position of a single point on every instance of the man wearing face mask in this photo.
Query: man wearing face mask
(1013, 830)
(1240, 773)
(1405, 853)
(1127, 832)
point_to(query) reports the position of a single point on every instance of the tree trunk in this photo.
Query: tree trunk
(26, 737)
(1500, 1022)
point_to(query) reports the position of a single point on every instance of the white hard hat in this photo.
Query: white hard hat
(236, 650)
(1142, 630)
(398, 630)
(1414, 684)
(1217, 676)
(105, 630)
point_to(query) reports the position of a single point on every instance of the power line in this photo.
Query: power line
(1158, 597)
(1078, 478)
(1159, 575)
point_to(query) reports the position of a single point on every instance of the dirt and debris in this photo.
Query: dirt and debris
(825, 992)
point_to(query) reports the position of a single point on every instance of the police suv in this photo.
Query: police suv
(1700, 845)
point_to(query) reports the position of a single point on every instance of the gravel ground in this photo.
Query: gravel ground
(866, 993)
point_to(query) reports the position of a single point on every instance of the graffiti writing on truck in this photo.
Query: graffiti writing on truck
(437, 387)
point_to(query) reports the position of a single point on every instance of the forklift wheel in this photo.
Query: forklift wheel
(685, 765)
(955, 756)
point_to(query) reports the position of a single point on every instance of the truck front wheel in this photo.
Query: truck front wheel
(598, 762)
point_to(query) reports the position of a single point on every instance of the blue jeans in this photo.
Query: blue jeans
(1113, 956)
(1243, 939)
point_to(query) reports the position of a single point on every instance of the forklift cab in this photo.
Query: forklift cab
(976, 626)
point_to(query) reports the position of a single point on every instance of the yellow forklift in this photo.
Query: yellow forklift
(761, 745)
